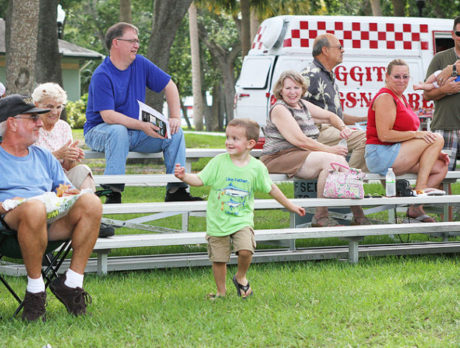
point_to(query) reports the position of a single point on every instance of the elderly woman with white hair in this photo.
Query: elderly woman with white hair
(56, 136)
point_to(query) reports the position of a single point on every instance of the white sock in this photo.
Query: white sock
(35, 285)
(73, 279)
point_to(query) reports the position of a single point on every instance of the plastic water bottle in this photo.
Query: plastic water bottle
(343, 143)
(390, 183)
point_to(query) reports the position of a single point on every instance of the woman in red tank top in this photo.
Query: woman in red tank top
(393, 138)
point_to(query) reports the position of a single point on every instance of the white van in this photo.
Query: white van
(370, 43)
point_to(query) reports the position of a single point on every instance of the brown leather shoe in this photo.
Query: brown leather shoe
(74, 299)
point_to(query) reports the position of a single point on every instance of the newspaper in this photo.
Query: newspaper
(149, 114)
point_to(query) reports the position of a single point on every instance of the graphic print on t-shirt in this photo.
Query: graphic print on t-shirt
(234, 196)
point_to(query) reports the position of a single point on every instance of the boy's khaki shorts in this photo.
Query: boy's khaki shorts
(220, 248)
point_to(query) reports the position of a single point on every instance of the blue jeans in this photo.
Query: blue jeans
(116, 141)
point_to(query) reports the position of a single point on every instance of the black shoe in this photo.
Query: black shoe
(113, 198)
(106, 231)
(34, 306)
(181, 195)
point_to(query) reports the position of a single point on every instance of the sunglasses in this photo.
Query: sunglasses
(34, 117)
(457, 33)
(401, 77)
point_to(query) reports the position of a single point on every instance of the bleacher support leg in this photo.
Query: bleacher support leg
(353, 244)
(185, 218)
(102, 259)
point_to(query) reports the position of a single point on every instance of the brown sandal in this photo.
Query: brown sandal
(362, 220)
(324, 221)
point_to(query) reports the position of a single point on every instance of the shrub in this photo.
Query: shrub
(76, 112)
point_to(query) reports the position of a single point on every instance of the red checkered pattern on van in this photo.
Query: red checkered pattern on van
(257, 43)
(392, 36)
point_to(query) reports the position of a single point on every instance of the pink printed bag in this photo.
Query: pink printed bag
(344, 184)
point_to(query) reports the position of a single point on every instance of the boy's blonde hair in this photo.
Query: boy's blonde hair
(252, 127)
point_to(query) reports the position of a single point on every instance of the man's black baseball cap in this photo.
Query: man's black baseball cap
(16, 104)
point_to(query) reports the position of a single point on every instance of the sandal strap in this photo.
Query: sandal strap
(325, 221)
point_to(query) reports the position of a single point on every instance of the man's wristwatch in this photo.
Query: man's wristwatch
(454, 71)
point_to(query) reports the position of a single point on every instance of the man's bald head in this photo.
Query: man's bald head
(323, 40)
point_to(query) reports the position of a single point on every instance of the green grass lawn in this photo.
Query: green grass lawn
(408, 301)
(381, 302)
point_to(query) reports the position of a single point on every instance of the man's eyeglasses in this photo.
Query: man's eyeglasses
(339, 47)
(401, 77)
(457, 33)
(34, 117)
(131, 41)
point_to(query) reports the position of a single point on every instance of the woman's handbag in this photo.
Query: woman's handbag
(344, 184)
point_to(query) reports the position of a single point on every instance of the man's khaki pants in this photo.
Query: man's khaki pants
(356, 144)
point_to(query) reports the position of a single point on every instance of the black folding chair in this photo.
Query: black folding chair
(55, 254)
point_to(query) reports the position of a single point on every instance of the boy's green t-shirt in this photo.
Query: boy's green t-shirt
(231, 199)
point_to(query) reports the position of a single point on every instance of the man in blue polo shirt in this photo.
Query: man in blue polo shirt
(112, 125)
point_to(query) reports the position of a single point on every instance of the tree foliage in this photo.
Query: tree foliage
(87, 21)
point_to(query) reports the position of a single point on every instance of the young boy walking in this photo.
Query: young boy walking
(234, 177)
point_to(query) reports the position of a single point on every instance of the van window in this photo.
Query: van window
(255, 72)
(442, 41)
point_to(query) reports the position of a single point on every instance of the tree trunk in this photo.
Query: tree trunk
(227, 68)
(254, 25)
(225, 62)
(167, 18)
(399, 7)
(125, 11)
(221, 108)
(196, 70)
(245, 32)
(22, 32)
(184, 111)
(376, 9)
(48, 65)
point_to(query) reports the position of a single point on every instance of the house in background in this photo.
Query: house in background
(74, 59)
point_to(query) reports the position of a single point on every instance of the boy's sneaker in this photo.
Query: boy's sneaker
(74, 299)
(106, 231)
(113, 198)
(181, 195)
(34, 306)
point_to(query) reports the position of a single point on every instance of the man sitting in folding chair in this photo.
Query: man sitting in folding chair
(28, 171)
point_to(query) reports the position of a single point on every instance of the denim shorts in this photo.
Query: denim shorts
(381, 157)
